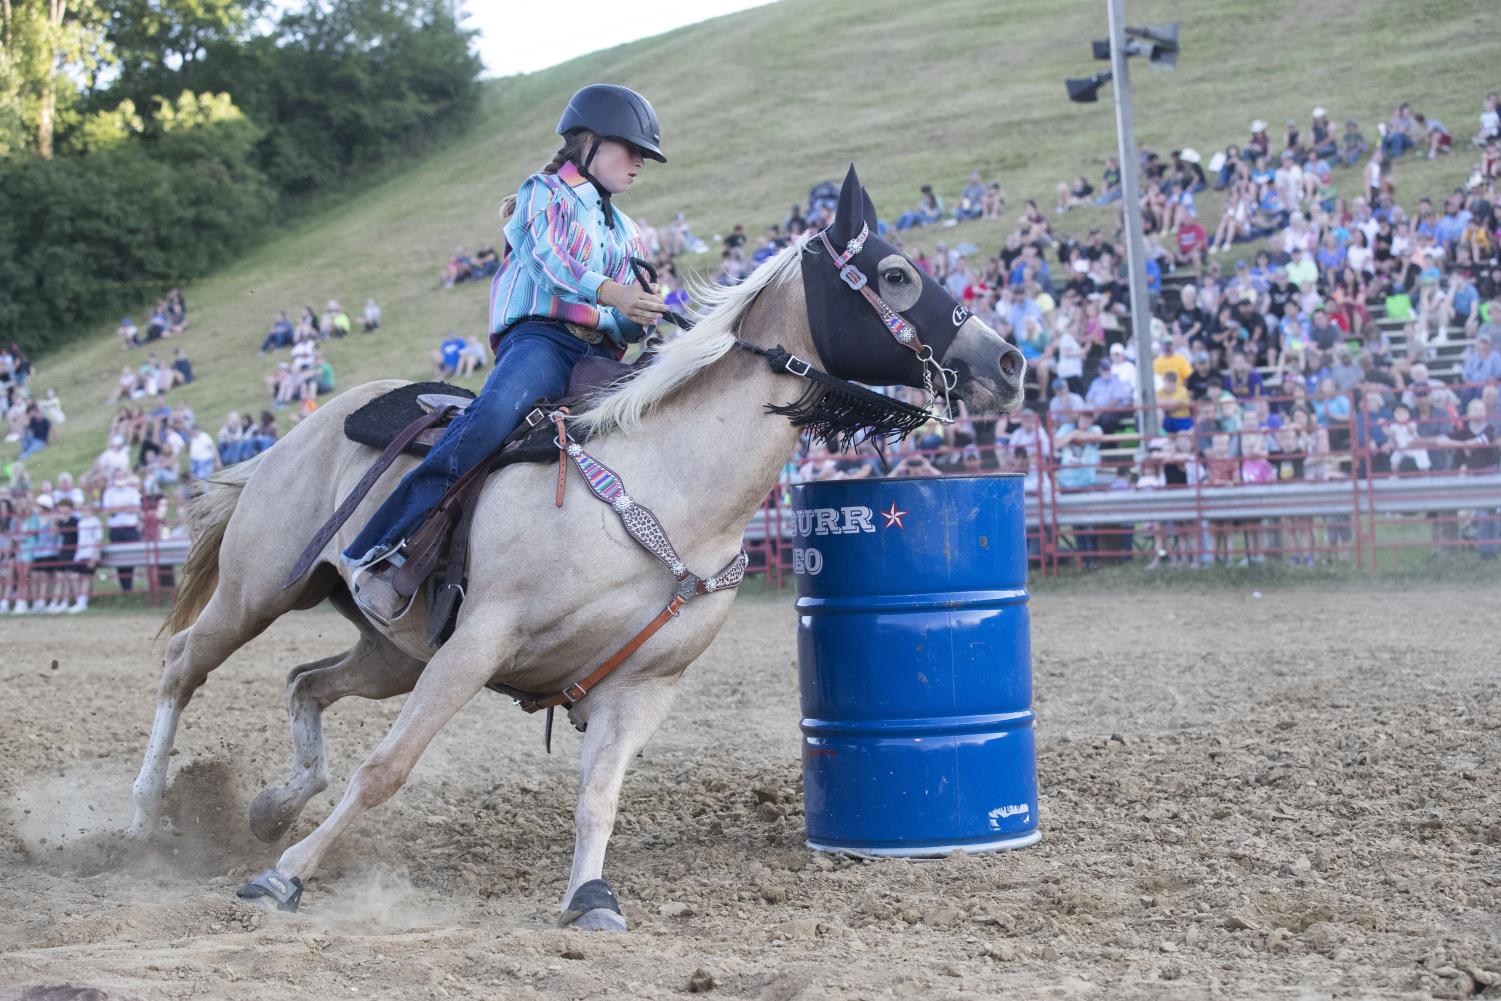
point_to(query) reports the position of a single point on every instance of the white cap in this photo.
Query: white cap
(1258, 126)
(1318, 112)
(1190, 154)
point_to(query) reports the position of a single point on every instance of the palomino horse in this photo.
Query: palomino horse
(552, 591)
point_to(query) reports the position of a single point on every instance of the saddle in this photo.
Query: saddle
(411, 419)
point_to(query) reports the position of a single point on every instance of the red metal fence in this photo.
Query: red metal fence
(1245, 484)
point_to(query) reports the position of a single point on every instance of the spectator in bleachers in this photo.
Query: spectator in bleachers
(1482, 364)
(122, 501)
(1077, 444)
(1110, 398)
(1203, 381)
(1476, 449)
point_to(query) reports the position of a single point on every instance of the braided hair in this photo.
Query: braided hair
(574, 145)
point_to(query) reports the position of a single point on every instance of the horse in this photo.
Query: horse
(697, 430)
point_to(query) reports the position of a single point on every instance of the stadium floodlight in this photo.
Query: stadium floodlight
(1087, 90)
(1161, 44)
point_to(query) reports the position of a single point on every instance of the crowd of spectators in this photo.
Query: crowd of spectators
(1271, 369)
(308, 373)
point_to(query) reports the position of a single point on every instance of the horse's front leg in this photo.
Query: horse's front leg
(620, 721)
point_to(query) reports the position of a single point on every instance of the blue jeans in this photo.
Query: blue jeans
(534, 362)
(30, 445)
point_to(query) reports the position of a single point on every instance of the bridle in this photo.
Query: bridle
(901, 330)
(890, 417)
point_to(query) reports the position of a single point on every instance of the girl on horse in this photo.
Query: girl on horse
(565, 291)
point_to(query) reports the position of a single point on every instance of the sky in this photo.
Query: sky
(590, 25)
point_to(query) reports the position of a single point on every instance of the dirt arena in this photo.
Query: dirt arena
(1293, 796)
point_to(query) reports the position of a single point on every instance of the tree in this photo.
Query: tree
(154, 39)
(47, 46)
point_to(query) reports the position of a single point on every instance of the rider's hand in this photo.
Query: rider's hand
(639, 304)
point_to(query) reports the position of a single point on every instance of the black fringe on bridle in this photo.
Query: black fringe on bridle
(841, 413)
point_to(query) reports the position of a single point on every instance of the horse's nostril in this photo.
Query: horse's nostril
(1010, 362)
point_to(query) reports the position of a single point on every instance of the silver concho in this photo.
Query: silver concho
(575, 450)
(622, 503)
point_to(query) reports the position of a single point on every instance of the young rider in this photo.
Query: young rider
(565, 291)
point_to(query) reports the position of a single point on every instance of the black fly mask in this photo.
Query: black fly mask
(866, 306)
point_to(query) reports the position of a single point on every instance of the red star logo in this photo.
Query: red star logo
(893, 516)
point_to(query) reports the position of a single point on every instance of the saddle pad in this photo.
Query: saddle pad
(378, 422)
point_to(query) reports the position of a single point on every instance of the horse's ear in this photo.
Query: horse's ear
(851, 211)
(870, 209)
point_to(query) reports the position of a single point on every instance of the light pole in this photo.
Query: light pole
(1161, 43)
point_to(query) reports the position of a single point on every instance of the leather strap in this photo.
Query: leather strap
(455, 572)
(557, 418)
(314, 549)
(904, 332)
(576, 691)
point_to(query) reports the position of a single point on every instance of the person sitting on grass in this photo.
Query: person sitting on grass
(38, 430)
(929, 210)
(971, 199)
(1074, 195)
(446, 356)
(372, 316)
(472, 358)
(457, 268)
(280, 335)
(128, 332)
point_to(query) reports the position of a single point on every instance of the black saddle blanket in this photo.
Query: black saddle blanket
(378, 422)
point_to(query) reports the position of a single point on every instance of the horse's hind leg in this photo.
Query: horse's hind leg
(455, 675)
(373, 669)
(219, 631)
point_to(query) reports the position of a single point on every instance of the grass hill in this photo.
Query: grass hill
(758, 106)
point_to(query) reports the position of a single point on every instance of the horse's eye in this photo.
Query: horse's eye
(894, 276)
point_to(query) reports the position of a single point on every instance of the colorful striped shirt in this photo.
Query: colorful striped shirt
(561, 251)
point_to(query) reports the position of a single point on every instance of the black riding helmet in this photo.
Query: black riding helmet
(614, 112)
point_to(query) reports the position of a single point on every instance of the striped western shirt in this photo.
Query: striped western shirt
(561, 252)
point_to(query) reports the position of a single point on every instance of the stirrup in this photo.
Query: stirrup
(394, 558)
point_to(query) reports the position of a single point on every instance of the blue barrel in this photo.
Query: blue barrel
(914, 657)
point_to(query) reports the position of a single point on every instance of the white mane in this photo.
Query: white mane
(719, 311)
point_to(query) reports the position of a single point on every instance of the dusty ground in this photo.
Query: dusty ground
(1287, 797)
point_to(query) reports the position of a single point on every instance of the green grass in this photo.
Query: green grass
(758, 106)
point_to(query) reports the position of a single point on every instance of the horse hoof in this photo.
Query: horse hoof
(600, 919)
(272, 887)
(269, 817)
(593, 907)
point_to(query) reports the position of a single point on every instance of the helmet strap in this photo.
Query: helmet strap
(604, 193)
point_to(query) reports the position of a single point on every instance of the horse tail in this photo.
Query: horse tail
(208, 517)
